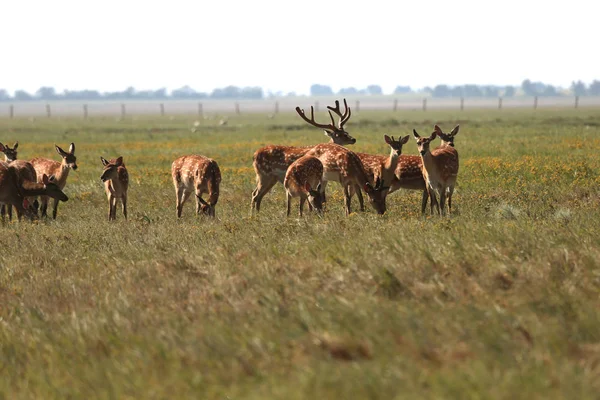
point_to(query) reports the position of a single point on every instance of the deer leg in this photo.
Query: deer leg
(323, 186)
(289, 203)
(109, 207)
(424, 202)
(302, 200)
(3, 212)
(450, 192)
(198, 203)
(44, 201)
(124, 204)
(360, 198)
(434, 202)
(10, 213)
(347, 199)
(262, 187)
(443, 201)
(184, 196)
(54, 208)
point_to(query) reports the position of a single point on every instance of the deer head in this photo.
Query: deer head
(205, 208)
(69, 159)
(315, 197)
(447, 138)
(337, 133)
(423, 142)
(110, 168)
(52, 189)
(9, 154)
(377, 195)
(396, 145)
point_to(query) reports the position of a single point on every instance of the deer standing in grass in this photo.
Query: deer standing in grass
(15, 189)
(199, 175)
(440, 170)
(60, 170)
(382, 167)
(272, 162)
(343, 166)
(303, 179)
(116, 183)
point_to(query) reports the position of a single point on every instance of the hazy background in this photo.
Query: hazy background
(285, 47)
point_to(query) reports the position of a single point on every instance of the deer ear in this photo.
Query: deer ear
(45, 179)
(104, 162)
(415, 134)
(119, 161)
(60, 151)
(404, 140)
(387, 139)
(437, 129)
(2, 147)
(455, 130)
(433, 136)
(318, 189)
(72, 148)
(307, 187)
(328, 133)
(16, 145)
(367, 187)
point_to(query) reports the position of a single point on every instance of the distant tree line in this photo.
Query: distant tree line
(527, 88)
(186, 92)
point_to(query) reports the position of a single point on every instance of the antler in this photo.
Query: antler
(343, 118)
(311, 121)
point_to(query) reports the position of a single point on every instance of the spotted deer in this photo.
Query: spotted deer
(440, 169)
(199, 175)
(379, 166)
(9, 154)
(116, 182)
(303, 179)
(343, 166)
(15, 189)
(272, 162)
(60, 170)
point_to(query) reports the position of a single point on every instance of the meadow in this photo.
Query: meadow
(500, 300)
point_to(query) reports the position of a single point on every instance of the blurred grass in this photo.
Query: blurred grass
(501, 300)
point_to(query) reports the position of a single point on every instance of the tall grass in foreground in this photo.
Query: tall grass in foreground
(500, 300)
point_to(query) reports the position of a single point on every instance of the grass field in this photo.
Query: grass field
(501, 300)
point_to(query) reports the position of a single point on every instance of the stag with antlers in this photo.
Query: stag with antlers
(272, 162)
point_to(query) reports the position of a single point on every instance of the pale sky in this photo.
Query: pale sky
(282, 45)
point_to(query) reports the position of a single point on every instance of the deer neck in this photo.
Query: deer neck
(389, 167)
(62, 174)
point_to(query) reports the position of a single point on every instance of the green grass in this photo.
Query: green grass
(499, 301)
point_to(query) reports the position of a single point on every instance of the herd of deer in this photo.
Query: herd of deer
(304, 172)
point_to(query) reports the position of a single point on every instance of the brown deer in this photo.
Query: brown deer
(199, 175)
(25, 172)
(409, 173)
(440, 169)
(378, 166)
(15, 190)
(60, 170)
(116, 182)
(303, 179)
(9, 154)
(344, 166)
(272, 162)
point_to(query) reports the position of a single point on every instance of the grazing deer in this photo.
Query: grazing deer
(272, 162)
(25, 172)
(378, 166)
(9, 154)
(15, 190)
(200, 175)
(116, 182)
(344, 166)
(440, 169)
(60, 170)
(303, 179)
